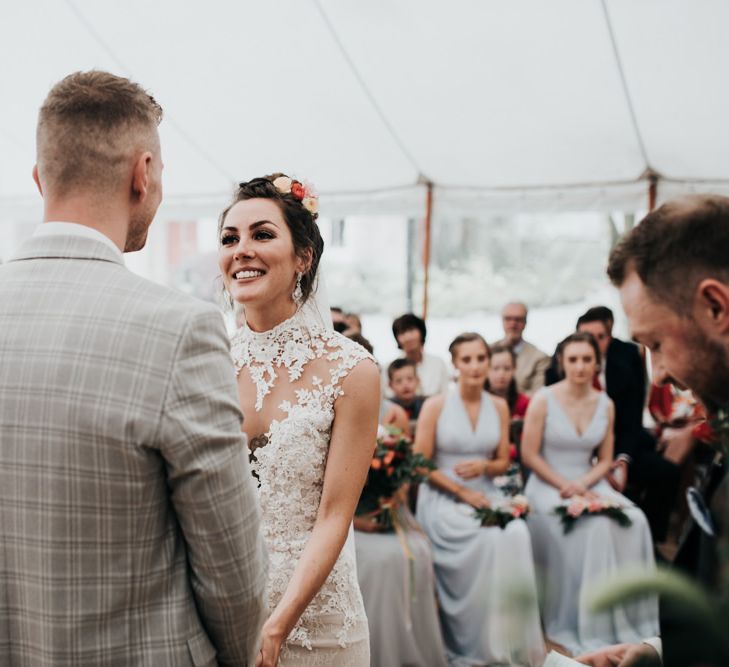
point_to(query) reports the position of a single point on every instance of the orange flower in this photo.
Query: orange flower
(376, 464)
(387, 459)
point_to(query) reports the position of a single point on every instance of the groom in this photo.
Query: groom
(129, 529)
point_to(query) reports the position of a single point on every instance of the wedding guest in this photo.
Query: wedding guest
(466, 433)
(354, 323)
(651, 479)
(531, 362)
(671, 271)
(339, 319)
(565, 424)
(403, 383)
(410, 332)
(501, 381)
(130, 526)
(391, 414)
(395, 573)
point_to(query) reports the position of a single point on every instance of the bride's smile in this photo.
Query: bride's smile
(257, 258)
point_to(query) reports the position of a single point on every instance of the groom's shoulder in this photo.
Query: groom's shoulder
(165, 307)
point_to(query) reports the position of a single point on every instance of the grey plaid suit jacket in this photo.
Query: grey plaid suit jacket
(129, 524)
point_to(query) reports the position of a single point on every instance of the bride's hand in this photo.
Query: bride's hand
(271, 641)
(473, 498)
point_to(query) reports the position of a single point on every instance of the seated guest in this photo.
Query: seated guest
(651, 479)
(410, 332)
(466, 433)
(398, 589)
(391, 414)
(501, 381)
(531, 362)
(354, 323)
(565, 425)
(398, 593)
(403, 383)
(339, 319)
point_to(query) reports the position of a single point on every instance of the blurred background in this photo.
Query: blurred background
(466, 153)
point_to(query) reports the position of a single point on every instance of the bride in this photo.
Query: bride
(310, 398)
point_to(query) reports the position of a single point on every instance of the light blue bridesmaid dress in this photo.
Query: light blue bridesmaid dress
(484, 576)
(568, 565)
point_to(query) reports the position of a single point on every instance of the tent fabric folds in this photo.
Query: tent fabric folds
(502, 106)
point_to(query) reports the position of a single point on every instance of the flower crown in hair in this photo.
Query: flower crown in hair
(305, 193)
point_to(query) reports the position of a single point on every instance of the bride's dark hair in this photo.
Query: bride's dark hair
(307, 240)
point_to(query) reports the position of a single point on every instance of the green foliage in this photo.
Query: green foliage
(394, 464)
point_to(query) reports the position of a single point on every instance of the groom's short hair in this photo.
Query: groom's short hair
(89, 126)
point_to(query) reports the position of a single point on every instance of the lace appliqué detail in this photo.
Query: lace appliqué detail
(290, 467)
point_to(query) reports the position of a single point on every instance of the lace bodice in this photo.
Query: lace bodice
(297, 369)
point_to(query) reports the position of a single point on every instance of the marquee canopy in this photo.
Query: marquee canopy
(502, 106)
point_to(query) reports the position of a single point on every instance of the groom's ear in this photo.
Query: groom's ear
(140, 176)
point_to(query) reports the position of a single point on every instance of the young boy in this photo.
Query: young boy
(404, 385)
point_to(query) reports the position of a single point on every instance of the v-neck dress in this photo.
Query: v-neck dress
(597, 547)
(478, 570)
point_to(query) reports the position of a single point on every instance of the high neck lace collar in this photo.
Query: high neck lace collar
(290, 344)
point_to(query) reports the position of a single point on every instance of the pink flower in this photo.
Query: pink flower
(311, 204)
(576, 507)
(595, 506)
(283, 184)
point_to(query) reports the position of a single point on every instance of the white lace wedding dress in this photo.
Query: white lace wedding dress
(297, 369)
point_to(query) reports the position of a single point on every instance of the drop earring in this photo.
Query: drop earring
(298, 295)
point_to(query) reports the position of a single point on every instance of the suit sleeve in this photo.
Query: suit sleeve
(212, 490)
(628, 394)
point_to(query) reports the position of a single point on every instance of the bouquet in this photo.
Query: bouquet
(511, 483)
(504, 511)
(393, 465)
(580, 506)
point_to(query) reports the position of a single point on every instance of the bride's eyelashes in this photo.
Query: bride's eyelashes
(259, 235)
(263, 235)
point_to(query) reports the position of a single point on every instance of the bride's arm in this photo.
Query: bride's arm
(531, 443)
(354, 433)
(604, 454)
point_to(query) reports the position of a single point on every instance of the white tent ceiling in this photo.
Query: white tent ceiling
(519, 105)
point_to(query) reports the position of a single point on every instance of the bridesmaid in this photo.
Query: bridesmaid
(566, 423)
(478, 570)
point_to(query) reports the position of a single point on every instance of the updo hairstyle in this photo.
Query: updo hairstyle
(307, 240)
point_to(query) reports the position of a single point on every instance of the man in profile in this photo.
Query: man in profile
(673, 276)
(531, 362)
(129, 528)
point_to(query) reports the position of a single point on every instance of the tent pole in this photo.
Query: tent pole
(426, 246)
(652, 191)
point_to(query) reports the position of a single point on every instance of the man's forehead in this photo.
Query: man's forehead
(641, 309)
(514, 310)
